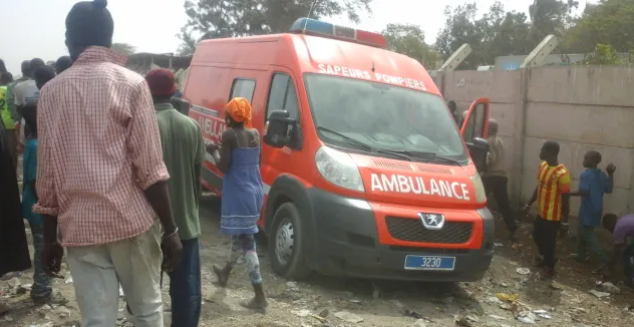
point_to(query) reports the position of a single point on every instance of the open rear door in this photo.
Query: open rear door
(475, 130)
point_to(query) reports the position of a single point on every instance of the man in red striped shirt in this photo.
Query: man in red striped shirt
(553, 206)
(101, 176)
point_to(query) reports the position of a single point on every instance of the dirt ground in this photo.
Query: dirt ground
(503, 298)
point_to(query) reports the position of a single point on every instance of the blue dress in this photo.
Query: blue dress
(29, 197)
(242, 193)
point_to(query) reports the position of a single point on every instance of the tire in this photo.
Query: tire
(287, 227)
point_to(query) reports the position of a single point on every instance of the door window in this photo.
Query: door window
(243, 88)
(283, 96)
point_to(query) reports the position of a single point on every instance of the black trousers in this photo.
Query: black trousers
(497, 185)
(545, 235)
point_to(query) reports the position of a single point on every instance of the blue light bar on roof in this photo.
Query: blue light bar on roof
(324, 29)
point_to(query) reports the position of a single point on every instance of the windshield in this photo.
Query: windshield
(383, 116)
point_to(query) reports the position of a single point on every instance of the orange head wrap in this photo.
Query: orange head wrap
(240, 111)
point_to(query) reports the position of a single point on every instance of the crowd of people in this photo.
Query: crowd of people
(552, 195)
(111, 175)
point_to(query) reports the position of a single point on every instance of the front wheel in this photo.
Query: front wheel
(287, 243)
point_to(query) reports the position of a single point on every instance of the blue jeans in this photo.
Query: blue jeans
(185, 287)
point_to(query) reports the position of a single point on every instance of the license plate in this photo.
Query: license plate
(417, 262)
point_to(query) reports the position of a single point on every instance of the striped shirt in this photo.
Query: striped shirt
(553, 181)
(99, 149)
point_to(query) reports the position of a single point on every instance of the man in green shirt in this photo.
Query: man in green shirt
(12, 131)
(183, 153)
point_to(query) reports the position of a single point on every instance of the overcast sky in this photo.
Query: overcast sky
(35, 28)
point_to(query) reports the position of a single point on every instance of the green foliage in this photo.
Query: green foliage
(228, 18)
(604, 54)
(610, 22)
(124, 48)
(496, 33)
(410, 41)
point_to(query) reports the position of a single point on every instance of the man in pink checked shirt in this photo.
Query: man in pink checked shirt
(101, 176)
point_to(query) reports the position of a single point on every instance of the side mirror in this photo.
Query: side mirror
(278, 127)
(478, 149)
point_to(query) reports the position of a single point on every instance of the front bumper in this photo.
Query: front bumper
(347, 243)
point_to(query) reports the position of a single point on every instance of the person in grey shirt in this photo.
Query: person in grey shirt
(495, 179)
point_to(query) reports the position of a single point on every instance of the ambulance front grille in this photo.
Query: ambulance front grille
(412, 230)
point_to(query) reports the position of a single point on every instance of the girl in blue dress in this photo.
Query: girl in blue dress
(238, 157)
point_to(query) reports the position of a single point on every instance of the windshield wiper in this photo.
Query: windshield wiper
(431, 156)
(365, 146)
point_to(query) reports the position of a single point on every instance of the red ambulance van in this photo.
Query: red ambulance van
(365, 171)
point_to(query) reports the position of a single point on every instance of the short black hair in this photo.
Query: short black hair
(29, 113)
(63, 63)
(36, 63)
(43, 75)
(609, 221)
(6, 78)
(452, 105)
(595, 154)
(551, 147)
(25, 67)
(3, 68)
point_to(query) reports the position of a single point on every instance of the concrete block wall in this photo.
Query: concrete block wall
(582, 107)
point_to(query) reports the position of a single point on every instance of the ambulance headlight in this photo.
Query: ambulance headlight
(338, 168)
(478, 186)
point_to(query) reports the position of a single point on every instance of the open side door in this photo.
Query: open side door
(475, 130)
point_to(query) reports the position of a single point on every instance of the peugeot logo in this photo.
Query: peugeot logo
(432, 221)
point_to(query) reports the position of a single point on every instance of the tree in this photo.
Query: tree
(549, 17)
(124, 48)
(603, 54)
(229, 18)
(607, 23)
(496, 33)
(410, 41)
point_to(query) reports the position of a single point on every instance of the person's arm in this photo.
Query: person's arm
(223, 155)
(146, 154)
(200, 158)
(610, 169)
(11, 105)
(584, 185)
(47, 203)
(563, 183)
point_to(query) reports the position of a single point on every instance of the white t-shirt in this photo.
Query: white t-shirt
(25, 92)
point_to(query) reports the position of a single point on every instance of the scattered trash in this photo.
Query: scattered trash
(420, 323)
(291, 284)
(526, 317)
(69, 280)
(493, 300)
(121, 294)
(413, 314)
(397, 304)
(8, 318)
(355, 301)
(523, 271)
(463, 321)
(301, 313)
(473, 318)
(556, 286)
(497, 317)
(324, 313)
(543, 314)
(507, 297)
(348, 317)
(498, 245)
(610, 288)
(599, 294)
(376, 291)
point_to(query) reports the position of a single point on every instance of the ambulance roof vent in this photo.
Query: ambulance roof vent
(318, 28)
